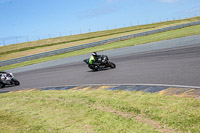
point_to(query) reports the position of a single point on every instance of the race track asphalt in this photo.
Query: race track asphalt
(172, 66)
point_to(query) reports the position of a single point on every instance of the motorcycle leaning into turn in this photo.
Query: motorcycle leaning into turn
(103, 63)
(7, 79)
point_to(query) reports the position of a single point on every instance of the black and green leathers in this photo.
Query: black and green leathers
(92, 59)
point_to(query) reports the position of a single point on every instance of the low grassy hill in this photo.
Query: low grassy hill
(34, 47)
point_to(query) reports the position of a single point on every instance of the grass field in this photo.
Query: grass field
(100, 111)
(193, 30)
(34, 47)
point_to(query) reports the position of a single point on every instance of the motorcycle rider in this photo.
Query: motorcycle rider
(5, 77)
(95, 60)
(2, 77)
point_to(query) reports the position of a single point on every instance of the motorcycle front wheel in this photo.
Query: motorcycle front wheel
(112, 65)
(16, 82)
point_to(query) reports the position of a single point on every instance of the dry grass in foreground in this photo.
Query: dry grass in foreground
(97, 111)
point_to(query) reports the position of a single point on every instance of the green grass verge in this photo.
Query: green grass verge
(188, 31)
(100, 111)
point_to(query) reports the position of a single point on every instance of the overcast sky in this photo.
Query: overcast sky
(38, 19)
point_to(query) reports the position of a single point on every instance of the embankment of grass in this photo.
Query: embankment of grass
(77, 39)
(188, 31)
(97, 111)
(35, 47)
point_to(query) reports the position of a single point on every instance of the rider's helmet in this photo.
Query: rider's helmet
(94, 54)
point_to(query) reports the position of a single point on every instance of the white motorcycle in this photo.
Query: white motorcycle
(7, 79)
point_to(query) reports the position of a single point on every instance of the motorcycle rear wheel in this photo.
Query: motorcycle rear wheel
(2, 85)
